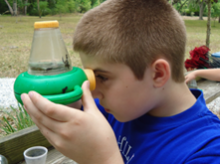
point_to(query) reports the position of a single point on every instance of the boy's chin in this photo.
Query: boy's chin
(107, 110)
(122, 119)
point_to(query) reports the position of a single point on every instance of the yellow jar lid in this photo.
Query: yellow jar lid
(46, 24)
(91, 77)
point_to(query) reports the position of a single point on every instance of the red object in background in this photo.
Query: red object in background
(198, 58)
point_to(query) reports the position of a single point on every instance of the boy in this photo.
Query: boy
(136, 50)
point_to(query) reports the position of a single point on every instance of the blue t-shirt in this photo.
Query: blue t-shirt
(191, 137)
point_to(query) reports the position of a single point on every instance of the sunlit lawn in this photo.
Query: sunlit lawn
(196, 35)
(16, 39)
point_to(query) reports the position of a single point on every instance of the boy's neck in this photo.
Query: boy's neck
(176, 98)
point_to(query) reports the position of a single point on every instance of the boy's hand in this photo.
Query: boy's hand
(190, 76)
(84, 136)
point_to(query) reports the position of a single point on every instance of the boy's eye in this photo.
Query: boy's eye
(102, 78)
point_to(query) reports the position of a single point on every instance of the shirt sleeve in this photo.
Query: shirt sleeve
(209, 154)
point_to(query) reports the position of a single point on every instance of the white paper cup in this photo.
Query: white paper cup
(3, 160)
(36, 155)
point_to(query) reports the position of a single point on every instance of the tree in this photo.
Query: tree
(25, 8)
(33, 7)
(22, 6)
(43, 7)
(202, 5)
(198, 3)
(9, 7)
(71, 5)
(38, 8)
(61, 7)
(215, 11)
(196, 6)
(41, 10)
(182, 4)
(83, 5)
(208, 32)
(15, 7)
(94, 3)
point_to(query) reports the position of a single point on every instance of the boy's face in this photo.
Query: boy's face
(119, 91)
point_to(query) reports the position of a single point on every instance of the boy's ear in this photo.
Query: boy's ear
(161, 72)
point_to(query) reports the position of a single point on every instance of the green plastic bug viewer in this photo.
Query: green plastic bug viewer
(49, 71)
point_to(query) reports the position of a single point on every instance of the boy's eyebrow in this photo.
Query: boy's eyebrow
(100, 70)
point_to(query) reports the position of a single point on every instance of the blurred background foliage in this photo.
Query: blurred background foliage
(46, 7)
(197, 8)
(53, 7)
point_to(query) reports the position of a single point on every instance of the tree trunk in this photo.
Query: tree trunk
(182, 5)
(9, 6)
(38, 7)
(208, 33)
(25, 8)
(219, 19)
(15, 7)
(201, 9)
(171, 2)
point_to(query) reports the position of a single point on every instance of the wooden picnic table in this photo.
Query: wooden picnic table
(13, 146)
(55, 157)
(211, 89)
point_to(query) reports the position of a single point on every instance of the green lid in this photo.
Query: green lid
(62, 88)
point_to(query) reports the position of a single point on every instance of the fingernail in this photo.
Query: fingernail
(87, 84)
(23, 97)
(31, 94)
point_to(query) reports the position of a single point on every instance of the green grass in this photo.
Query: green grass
(15, 120)
(16, 40)
(196, 35)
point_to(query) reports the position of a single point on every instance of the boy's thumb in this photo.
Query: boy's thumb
(87, 99)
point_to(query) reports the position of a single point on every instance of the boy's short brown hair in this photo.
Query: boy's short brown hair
(134, 32)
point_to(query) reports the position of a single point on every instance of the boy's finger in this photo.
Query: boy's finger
(56, 111)
(87, 99)
(42, 120)
(29, 106)
(37, 116)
